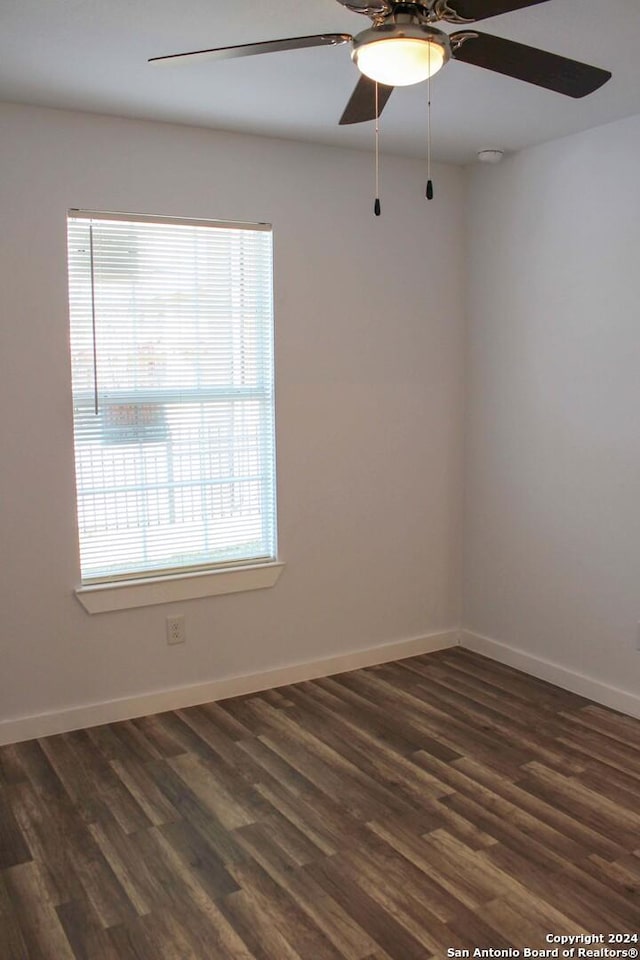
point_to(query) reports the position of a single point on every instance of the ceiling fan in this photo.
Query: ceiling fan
(403, 47)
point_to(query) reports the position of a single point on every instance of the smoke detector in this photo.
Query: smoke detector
(490, 156)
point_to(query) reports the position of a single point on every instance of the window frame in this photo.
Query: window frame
(119, 591)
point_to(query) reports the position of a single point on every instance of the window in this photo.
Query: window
(173, 394)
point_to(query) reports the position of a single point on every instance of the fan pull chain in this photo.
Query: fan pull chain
(429, 193)
(376, 207)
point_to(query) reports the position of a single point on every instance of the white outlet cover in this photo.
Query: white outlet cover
(175, 630)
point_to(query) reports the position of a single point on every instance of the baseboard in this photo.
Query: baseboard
(580, 683)
(95, 714)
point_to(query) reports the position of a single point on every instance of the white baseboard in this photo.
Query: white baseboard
(94, 714)
(579, 683)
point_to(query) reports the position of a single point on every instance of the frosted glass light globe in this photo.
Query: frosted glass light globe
(399, 61)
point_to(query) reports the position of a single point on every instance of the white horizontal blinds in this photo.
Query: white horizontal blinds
(172, 342)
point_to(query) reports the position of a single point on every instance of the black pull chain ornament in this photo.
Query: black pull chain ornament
(376, 206)
(429, 190)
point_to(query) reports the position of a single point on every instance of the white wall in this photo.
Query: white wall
(552, 528)
(369, 340)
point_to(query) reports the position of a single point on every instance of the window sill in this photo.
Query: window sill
(127, 594)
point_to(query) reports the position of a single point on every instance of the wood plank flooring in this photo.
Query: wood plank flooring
(390, 813)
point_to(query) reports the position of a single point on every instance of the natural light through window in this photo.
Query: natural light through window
(173, 394)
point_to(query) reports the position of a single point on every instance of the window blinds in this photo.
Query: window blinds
(173, 394)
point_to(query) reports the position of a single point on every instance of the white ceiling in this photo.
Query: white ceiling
(91, 55)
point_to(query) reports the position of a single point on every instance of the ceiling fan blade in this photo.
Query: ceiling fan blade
(471, 10)
(362, 105)
(516, 60)
(268, 46)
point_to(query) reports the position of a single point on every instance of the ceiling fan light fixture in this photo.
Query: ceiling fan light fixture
(399, 57)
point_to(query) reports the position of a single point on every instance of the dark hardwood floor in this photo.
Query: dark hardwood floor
(395, 812)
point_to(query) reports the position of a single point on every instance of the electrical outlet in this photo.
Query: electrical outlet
(175, 630)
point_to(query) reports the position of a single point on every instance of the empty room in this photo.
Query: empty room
(319, 480)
